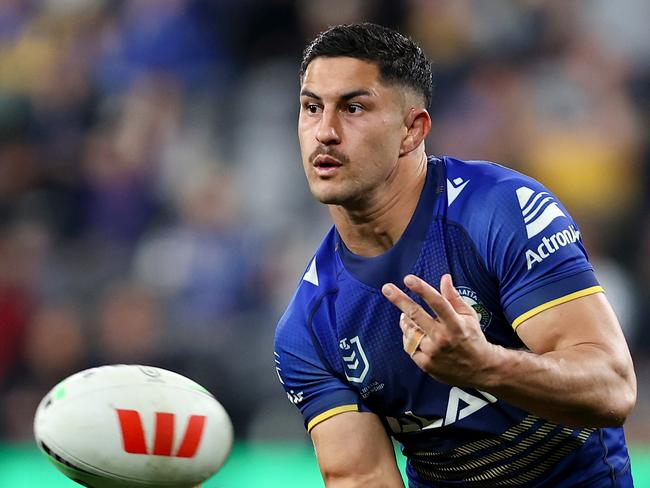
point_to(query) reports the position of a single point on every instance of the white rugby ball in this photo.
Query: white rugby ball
(127, 426)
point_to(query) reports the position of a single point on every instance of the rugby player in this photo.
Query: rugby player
(451, 306)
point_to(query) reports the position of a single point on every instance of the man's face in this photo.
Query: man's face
(350, 128)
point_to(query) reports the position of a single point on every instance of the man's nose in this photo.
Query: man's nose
(328, 130)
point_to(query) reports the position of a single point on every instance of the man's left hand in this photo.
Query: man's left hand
(451, 347)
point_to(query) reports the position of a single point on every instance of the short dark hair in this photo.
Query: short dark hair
(399, 59)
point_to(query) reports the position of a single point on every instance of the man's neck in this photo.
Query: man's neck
(374, 227)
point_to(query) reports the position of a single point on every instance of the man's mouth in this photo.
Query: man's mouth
(326, 166)
(326, 162)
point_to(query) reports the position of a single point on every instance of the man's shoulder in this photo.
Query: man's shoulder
(318, 279)
(477, 188)
(484, 174)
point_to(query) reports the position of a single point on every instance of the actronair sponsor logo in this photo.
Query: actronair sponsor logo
(538, 208)
(549, 245)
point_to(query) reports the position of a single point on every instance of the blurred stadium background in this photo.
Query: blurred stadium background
(153, 208)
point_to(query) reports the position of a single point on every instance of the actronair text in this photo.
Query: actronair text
(551, 244)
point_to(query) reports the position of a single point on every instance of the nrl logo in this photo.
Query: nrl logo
(470, 296)
(354, 359)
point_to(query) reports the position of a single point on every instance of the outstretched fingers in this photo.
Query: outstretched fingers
(448, 291)
(432, 297)
(410, 308)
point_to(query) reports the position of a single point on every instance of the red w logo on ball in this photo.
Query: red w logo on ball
(134, 441)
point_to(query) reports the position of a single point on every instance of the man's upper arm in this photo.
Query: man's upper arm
(307, 376)
(353, 450)
(586, 321)
(533, 251)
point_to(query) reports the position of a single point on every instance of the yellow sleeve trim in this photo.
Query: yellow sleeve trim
(545, 306)
(330, 413)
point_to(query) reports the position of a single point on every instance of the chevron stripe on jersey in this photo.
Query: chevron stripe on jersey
(539, 210)
(521, 456)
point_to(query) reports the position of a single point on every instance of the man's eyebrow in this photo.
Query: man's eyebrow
(307, 93)
(345, 96)
(355, 94)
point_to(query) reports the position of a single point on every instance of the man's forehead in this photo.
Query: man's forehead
(341, 74)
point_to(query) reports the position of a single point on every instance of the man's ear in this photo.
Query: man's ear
(418, 125)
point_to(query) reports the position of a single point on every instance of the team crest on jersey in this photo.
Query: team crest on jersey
(470, 296)
(355, 361)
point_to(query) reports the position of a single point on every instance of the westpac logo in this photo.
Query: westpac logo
(539, 209)
(133, 438)
(354, 359)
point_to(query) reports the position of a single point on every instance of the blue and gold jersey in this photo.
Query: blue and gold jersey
(513, 251)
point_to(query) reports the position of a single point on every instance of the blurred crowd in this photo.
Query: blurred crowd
(153, 208)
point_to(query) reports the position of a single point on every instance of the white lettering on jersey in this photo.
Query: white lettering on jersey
(539, 209)
(459, 406)
(473, 404)
(549, 245)
(293, 397)
(277, 367)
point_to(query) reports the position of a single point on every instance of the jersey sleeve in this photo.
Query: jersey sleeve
(531, 245)
(309, 381)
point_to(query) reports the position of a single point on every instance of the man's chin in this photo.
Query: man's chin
(328, 199)
(324, 194)
(336, 199)
(333, 196)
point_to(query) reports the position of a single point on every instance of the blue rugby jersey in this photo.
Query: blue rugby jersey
(513, 251)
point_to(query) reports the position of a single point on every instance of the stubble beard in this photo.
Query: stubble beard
(350, 195)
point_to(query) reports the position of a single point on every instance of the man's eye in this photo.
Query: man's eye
(312, 108)
(353, 108)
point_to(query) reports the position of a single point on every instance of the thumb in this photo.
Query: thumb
(448, 291)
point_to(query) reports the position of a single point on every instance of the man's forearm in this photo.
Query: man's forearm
(580, 372)
(582, 385)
